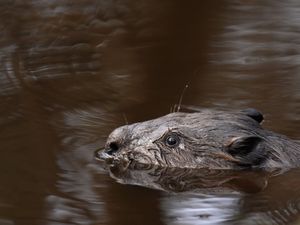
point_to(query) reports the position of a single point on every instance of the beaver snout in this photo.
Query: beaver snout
(112, 148)
(108, 152)
(102, 155)
(115, 141)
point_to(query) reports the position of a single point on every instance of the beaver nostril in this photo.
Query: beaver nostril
(112, 148)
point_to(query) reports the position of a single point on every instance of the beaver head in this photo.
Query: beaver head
(206, 139)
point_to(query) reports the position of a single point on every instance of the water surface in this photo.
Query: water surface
(72, 71)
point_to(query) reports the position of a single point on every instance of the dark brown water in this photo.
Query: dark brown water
(71, 70)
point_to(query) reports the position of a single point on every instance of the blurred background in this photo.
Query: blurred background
(70, 71)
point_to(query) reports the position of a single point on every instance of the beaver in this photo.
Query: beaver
(209, 138)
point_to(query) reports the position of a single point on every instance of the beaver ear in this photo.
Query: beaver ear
(248, 150)
(254, 114)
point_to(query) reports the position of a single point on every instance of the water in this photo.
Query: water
(72, 71)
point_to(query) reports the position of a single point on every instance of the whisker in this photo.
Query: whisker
(172, 109)
(181, 97)
(125, 118)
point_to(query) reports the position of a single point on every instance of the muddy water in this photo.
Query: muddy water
(71, 71)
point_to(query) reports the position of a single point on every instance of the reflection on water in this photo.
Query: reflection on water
(176, 180)
(200, 209)
(203, 196)
(72, 71)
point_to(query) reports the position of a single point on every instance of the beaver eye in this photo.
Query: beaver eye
(172, 140)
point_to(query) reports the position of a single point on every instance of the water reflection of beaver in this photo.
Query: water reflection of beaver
(206, 139)
(191, 180)
(258, 195)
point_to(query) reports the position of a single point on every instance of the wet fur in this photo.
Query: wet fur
(208, 139)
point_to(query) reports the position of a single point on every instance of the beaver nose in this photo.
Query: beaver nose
(113, 147)
(98, 154)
